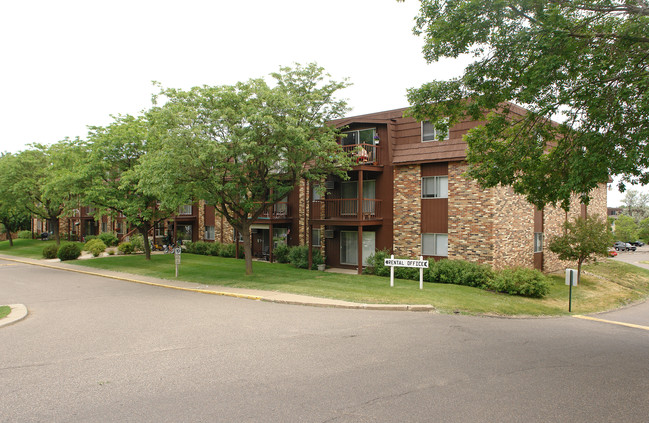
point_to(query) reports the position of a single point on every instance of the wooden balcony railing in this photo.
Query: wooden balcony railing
(346, 208)
(279, 210)
(363, 153)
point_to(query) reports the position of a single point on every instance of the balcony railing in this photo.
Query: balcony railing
(279, 210)
(363, 153)
(346, 208)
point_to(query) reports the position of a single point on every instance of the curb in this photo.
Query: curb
(18, 313)
(326, 303)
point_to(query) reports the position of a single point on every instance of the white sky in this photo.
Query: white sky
(68, 64)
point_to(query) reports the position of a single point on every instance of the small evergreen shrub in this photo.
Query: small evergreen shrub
(69, 251)
(50, 252)
(137, 241)
(520, 281)
(95, 247)
(199, 247)
(125, 248)
(109, 239)
(89, 238)
(227, 250)
(280, 253)
(25, 235)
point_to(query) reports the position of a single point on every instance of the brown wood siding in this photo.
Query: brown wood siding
(538, 220)
(538, 261)
(210, 216)
(434, 215)
(434, 169)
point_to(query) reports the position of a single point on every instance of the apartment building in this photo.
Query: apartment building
(406, 193)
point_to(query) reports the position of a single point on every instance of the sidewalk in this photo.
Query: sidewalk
(250, 294)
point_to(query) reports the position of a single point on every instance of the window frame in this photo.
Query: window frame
(435, 253)
(436, 180)
(435, 133)
(213, 231)
(538, 242)
(317, 237)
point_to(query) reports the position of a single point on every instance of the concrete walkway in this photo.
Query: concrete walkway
(250, 294)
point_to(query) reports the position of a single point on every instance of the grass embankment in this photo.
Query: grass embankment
(4, 311)
(605, 286)
(30, 248)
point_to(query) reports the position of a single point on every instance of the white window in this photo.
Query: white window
(434, 187)
(280, 235)
(315, 238)
(434, 245)
(185, 210)
(209, 232)
(430, 133)
(316, 194)
(538, 242)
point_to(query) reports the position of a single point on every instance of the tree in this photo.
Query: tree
(643, 229)
(636, 204)
(44, 180)
(583, 60)
(626, 229)
(583, 239)
(244, 147)
(113, 174)
(13, 215)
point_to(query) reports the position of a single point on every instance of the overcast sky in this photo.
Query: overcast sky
(68, 64)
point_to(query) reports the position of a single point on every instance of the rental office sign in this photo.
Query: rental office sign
(421, 264)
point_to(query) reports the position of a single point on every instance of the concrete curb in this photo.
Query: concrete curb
(272, 297)
(18, 313)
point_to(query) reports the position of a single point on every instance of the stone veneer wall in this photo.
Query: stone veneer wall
(513, 229)
(201, 221)
(553, 219)
(470, 218)
(301, 213)
(407, 211)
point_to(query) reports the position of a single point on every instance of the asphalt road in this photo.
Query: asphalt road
(97, 349)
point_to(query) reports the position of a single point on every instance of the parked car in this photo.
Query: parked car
(637, 243)
(630, 247)
(620, 246)
(612, 252)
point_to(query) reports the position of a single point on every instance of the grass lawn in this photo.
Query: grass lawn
(604, 286)
(31, 248)
(4, 311)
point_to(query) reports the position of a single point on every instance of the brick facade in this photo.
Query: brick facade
(513, 229)
(407, 210)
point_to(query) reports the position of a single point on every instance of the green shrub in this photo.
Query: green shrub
(89, 238)
(214, 248)
(520, 281)
(299, 257)
(137, 241)
(227, 250)
(69, 251)
(111, 252)
(109, 239)
(95, 246)
(199, 247)
(125, 248)
(375, 264)
(50, 251)
(25, 235)
(460, 272)
(280, 253)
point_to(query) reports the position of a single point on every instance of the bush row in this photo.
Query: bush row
(513, 281)
(67, 251)
(297, 256)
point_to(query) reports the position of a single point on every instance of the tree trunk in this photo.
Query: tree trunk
(8, 230)
(54, 227)
(247, 247)
(144, 230)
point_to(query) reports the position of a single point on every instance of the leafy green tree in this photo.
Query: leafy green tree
(643, 229)
(583, 60)
(44, 180)
(13, 214)
(113, 174)
(626, 229)
(635, 203)
(583, 239)
(244, 147)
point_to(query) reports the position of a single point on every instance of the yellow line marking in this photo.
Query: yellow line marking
(179, 288)
(630, 325)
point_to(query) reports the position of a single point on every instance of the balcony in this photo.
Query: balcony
(278, 211)
(363, 154)
(346, 210)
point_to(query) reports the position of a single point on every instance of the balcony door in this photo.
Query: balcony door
(349, 246)
(349, 193)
